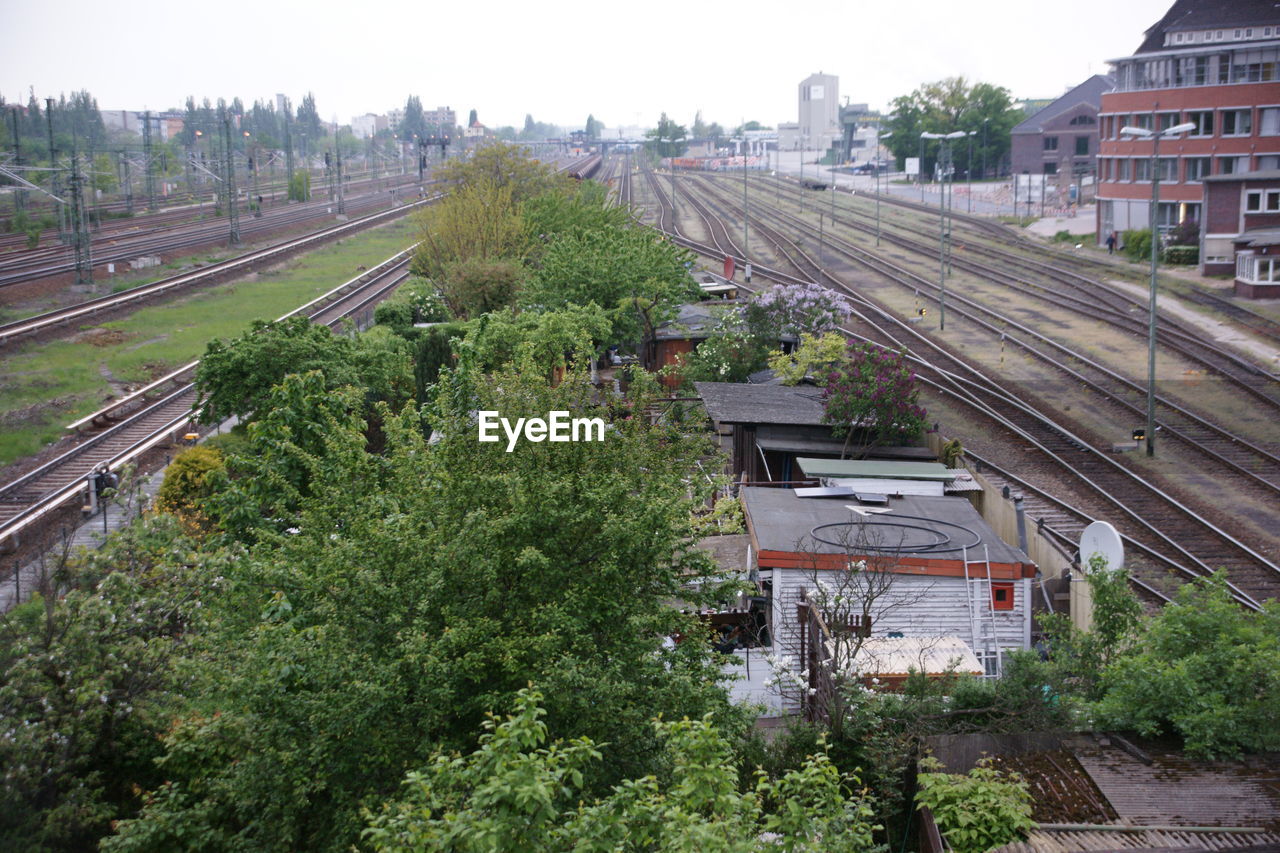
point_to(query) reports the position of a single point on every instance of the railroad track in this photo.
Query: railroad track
(1236, 455)
(36, 265)
(1179, 540)
(25, 501)
(213, 272)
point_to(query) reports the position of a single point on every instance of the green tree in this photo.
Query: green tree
(478, 223)
(873, 394)
(517, 793)
(236, 377)
(814, 359)
(951, 105)
(392, 599)
(85, 681)
(412, 122)
(300, 186)
(1204, 669)
(638, 276)
(593, 128)
(668, 138)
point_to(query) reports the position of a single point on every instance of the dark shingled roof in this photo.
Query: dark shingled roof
(1209, 14)
(741, 403)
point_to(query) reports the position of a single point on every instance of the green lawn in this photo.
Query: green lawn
(43, 387)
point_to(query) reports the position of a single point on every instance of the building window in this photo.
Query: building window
(1231, 165)
(1051, 143)
(1260, 268)
(1203, 120)
(1142, 169)
(1267, 162)
(1168, 168)
(1125, 171)
(1084, 119)
(1237, 122)
(1167, 120)
(1269, 121)
(1198, 168)
(1142, 120)
(1262, 201)
(1082, 146)
(1001, 595)
(1050, 168)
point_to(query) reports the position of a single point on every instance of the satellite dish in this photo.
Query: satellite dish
(1102, 540)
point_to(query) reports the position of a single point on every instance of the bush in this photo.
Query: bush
(979, 811)
(1181, 255)
(1064, 236)
(393, 313)
(1137, 244)
(1186, 234)
(300, 186)
(187, 484)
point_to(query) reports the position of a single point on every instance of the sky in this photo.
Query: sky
(623, 62)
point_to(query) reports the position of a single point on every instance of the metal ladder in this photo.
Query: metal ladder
(982, 614)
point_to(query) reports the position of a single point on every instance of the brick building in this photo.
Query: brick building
(1212, 63)
(1243, 210)
(1061, 139)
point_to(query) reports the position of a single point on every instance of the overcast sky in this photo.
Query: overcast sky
(624, 62)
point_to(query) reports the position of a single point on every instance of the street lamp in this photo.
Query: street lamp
(944, 152)
(1155, 137)
(876, 166)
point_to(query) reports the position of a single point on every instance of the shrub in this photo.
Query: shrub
(1137, 244)
(187, 484)
(1182, 255)
(300, 186)
(1186, 234)
(978, 811)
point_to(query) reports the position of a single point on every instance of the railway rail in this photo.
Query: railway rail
(1179, 540)
(164, 241)
(129, 428)
(213, 272)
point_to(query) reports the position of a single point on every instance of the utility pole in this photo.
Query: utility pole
(80, 240)
(127, 177)
(288, 153)
(229, 182)
(64, 231)
(19, 195)
(147, 164)
(342, 207)
(746, 211)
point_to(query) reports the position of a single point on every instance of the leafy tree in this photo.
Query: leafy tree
(699, 129)
(412, 122)
(507, 167)
(394, 598)
(236, 377)
(479, 222)
(732, 351)
(668, 138)
(300, 186)
(815, 358)
(308, 119)
(477, 286)
(472, 118)
(797, 309)
(515, 793)
(548, 341)
(85, 681)
(873, 394)
(593, 127)
(638, 276)
(953, 105)
(978, 811)
(1205, 669)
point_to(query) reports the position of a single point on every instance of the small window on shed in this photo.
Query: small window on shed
(1001, 596)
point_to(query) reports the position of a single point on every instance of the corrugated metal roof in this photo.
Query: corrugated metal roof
(1046, 840)
(876, 468)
